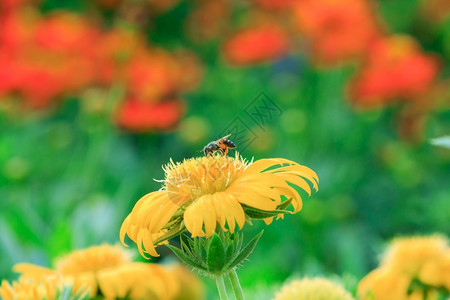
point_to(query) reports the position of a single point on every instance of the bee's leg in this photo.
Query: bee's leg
(225, 151)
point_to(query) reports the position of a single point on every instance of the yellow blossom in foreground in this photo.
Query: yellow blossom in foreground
(31, 289)
(422, 259)
(313, 289)
(82, 266)
(79, 268)
(385, 284)
(138, 281)
(203, 191)
(102, 270)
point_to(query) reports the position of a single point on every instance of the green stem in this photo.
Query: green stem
(221, 287)
(234, 279)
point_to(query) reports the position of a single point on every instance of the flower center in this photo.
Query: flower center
(199, 176)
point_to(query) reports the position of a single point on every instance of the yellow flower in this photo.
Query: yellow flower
(79, 268)
(313, 289)
(31, 289)
(82, 266)
(424, 257)
(383, 283)
(103, 270)
(201, 192)
(138, 281)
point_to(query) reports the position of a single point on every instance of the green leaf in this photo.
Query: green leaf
(82, 295)
(284, 205)
(203, 252)
(229, 253)
(255, 213)
(184, 239)
(246, 251)
(216, 254)
(171, 233)
(186, 259)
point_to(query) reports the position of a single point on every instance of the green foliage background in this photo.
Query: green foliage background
(68, 178)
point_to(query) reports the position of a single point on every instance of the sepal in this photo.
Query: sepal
(216, 255)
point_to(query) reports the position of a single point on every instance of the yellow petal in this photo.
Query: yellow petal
(252, 199)
(162, 216)
(194, 217)
(209, 215)
(123, 230)
(6, 291)
(32, 271)
(220, 209)
(260, 165)
(268, 221)
(301, 171)
(141, 208)
(227, 207)
(298, 181)
(139, 242)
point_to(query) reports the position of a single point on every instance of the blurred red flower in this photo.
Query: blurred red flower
(66, 33)
(140, 116)
(43, 58)
(337, 30)
(256, 44)
(16, 29)
(153, 74)
(395, 68)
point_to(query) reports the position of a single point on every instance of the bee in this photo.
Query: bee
(221, 145)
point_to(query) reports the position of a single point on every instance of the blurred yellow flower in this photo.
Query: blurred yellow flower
(385, 284)
(424, 257)
(92, 259)
(191, 287)
(312, 289)
(82, 266)
(409, 264)
(79, 268)
(104, 270)
(31, 289)
(201, 192)
(138, 281)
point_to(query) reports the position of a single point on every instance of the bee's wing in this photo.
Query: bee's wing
(225, 137)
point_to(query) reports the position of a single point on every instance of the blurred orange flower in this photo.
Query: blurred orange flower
(153, 74)
(395, 69)
(337, 30)
(256, 44)
(141, 116)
